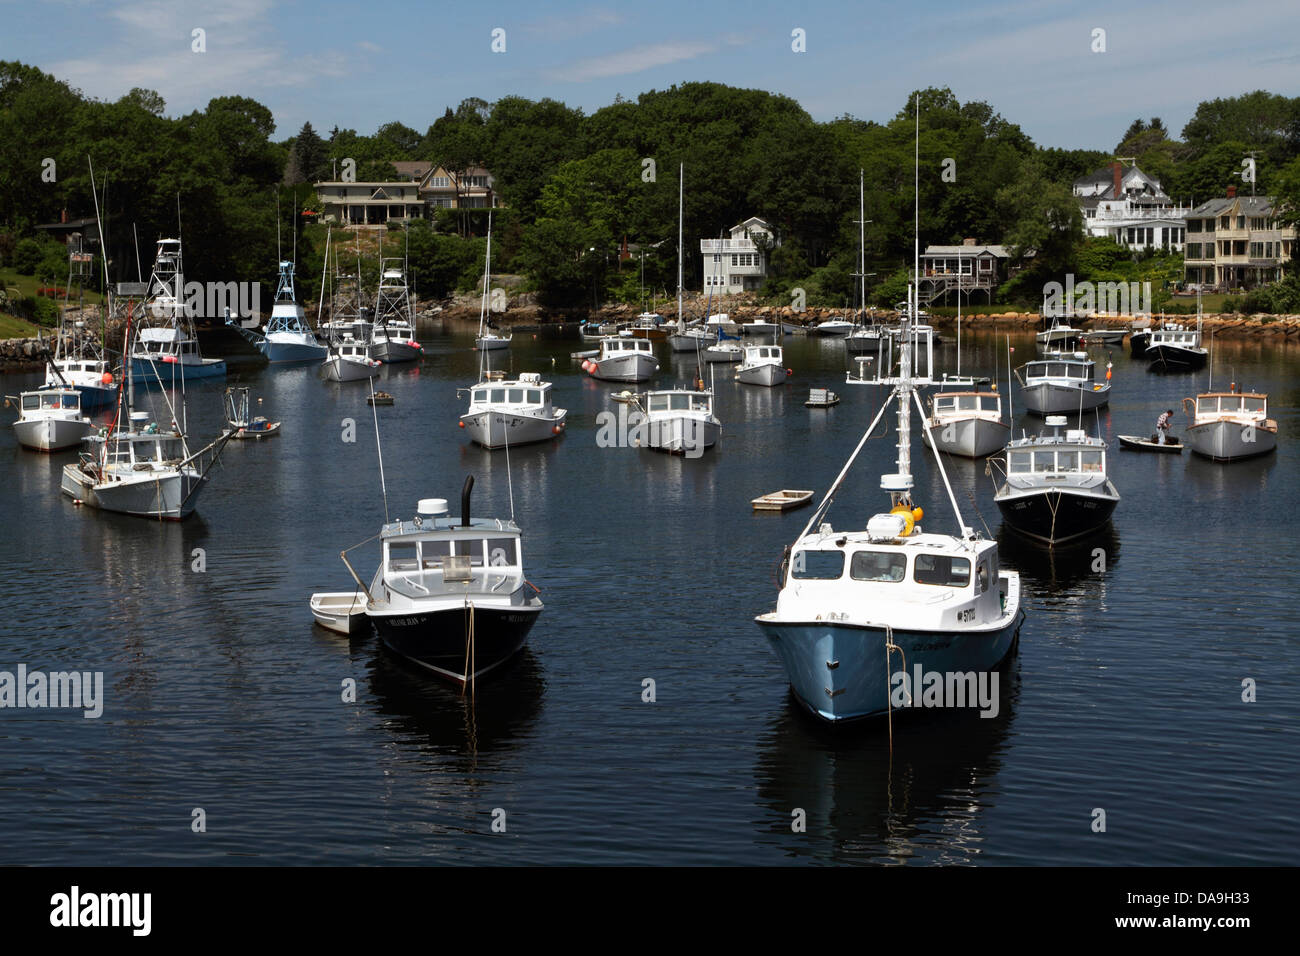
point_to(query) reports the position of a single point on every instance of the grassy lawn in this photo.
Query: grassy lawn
(27, 285)
(15, 328)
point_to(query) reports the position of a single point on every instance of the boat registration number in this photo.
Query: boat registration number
(966, 616)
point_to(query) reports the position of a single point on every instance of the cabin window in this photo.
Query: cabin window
(1044, 461)
(502, 552)
(498, 394)
(1091, 460)
(1205, 406)
(473, 549)
(534, 396)
(817, 565)
(941, 570)
(1067, 461)
(888, 566)
(989, 403)
(31, 401)
(1019, 463)
(516, 396)
(1255, 404)
(943, 403)
(982, 577)
(681, 403)
(433, 553)
(401, 557)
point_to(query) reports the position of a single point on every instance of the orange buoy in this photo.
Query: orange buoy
(462, 424)
(917, 514)
(106, 378)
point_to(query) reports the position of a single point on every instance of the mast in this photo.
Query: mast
(681, 184)
(862, 245)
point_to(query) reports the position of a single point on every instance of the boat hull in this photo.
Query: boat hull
(391, 353)
(143, 372)
(51, 434)
(1056, 515)
(491, 344)
(841, 672)
(437, 640)
(681, 435)
(504, 429)
(1229, 441)
(1138, 343)
(772, 374)
(1171, 358)
(969, 437)
(343, 370)
(629, 367)
(170, 497)
(862, 344)
(287, 352)
(714, 354)
(681, 342)
(1048, 399)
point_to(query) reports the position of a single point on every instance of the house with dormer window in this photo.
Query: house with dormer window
(738, 263)
(1236, 242)
(1129, 206)
(424, 188)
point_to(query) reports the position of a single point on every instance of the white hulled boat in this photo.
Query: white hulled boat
(623, 360)
(1228, 426)
(680, 421)
(967, 423)
(288, 338)
(393, 337)
(50, 419)
(833, 328)
(763, 365)
(349, 361)
(512, 412)
(1061, 385)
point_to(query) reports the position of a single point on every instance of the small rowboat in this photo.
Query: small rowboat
(258, 428)
(821, 398)
(1137, 443)
(624, 397)
(783, 500)
(379, 398)
(342, 612)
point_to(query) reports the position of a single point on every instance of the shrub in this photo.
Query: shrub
(27, 256)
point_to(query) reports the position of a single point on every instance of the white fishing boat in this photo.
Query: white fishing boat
(288, 338)
(722, 351)
(1056, 487)
(79, 362)
(763, 365)
(393, 339)
(690, 339)
(968, 424)
(623, 360)
(721, 324)
(1062, 385)
(1228, 426)
(832, 328)
(512, 412)
(240, 420)
(680, 421)
(449, 595)
(50, 419)
(349, 361)
(1175, 350)
(165, 350)
(1058, 335)
(759, 327)
(488, 338)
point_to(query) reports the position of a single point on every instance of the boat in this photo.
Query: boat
(854, 605)
(349, 361)
(784, 500)
(967, 423)
(449, 594)
(624, 397)
(343, 612)
(1229, 426)
(1059, 335)
(721, 351)
(1175, 350)
(690, 339)
(78, 361)
(590, 331)
(623, 360)
(721, 324)
(512, 412)
(1056, 487)
(1140, 336)
(1136, 442)
(793, 328)
(165, 350)
(759, 327)
(393, 338)
(832, 328)
(488, 340)
(680, 421)
(238, 420)
(1104, 336)
(50, 419)
(288, 339)
(649, 325)
(763, 365)
(1060, 385)
(821, 398)
(379, 398)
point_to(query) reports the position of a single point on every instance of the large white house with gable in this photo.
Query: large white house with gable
(1127, 205)
(738, 264)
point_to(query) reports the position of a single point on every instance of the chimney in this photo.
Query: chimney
(65, 216)
(968, 242)
(1232, 192)
(1117, 170)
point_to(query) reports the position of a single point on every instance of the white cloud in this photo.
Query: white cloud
(636, 59)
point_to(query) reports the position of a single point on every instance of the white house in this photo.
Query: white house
(1130, 207)
(738, 264)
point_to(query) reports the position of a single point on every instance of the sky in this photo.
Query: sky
(359, 65)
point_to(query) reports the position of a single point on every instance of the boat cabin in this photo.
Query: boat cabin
(880, 563)
(426, 556)
(622, 346)
(1183, 338)
(51, 400)
(527, 391)
(1073, 370)
(968, 405)
(1068, 459)
(762, 354)
(1246, 406)
(679, 400)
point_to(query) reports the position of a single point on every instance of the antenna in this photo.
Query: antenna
(279, 253)
(681, 185)
(324, 275)
(383, 486)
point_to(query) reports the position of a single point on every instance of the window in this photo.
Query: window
(534, 396)
(31, 401)
(886, 566)
(440, 182)
(498, 394)
(982, 578)
(432, 553)
(942, 570)
(1092, 460)
(1193, 225)
(502, 552)
(817, 565)
(401, 556)
(473, 547)
(516, 396)
(1193, 250)
(1044, 461)
(1067, 461)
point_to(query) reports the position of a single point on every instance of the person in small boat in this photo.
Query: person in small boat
(1162, 427)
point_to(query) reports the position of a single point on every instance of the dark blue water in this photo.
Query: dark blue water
(222, 695)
